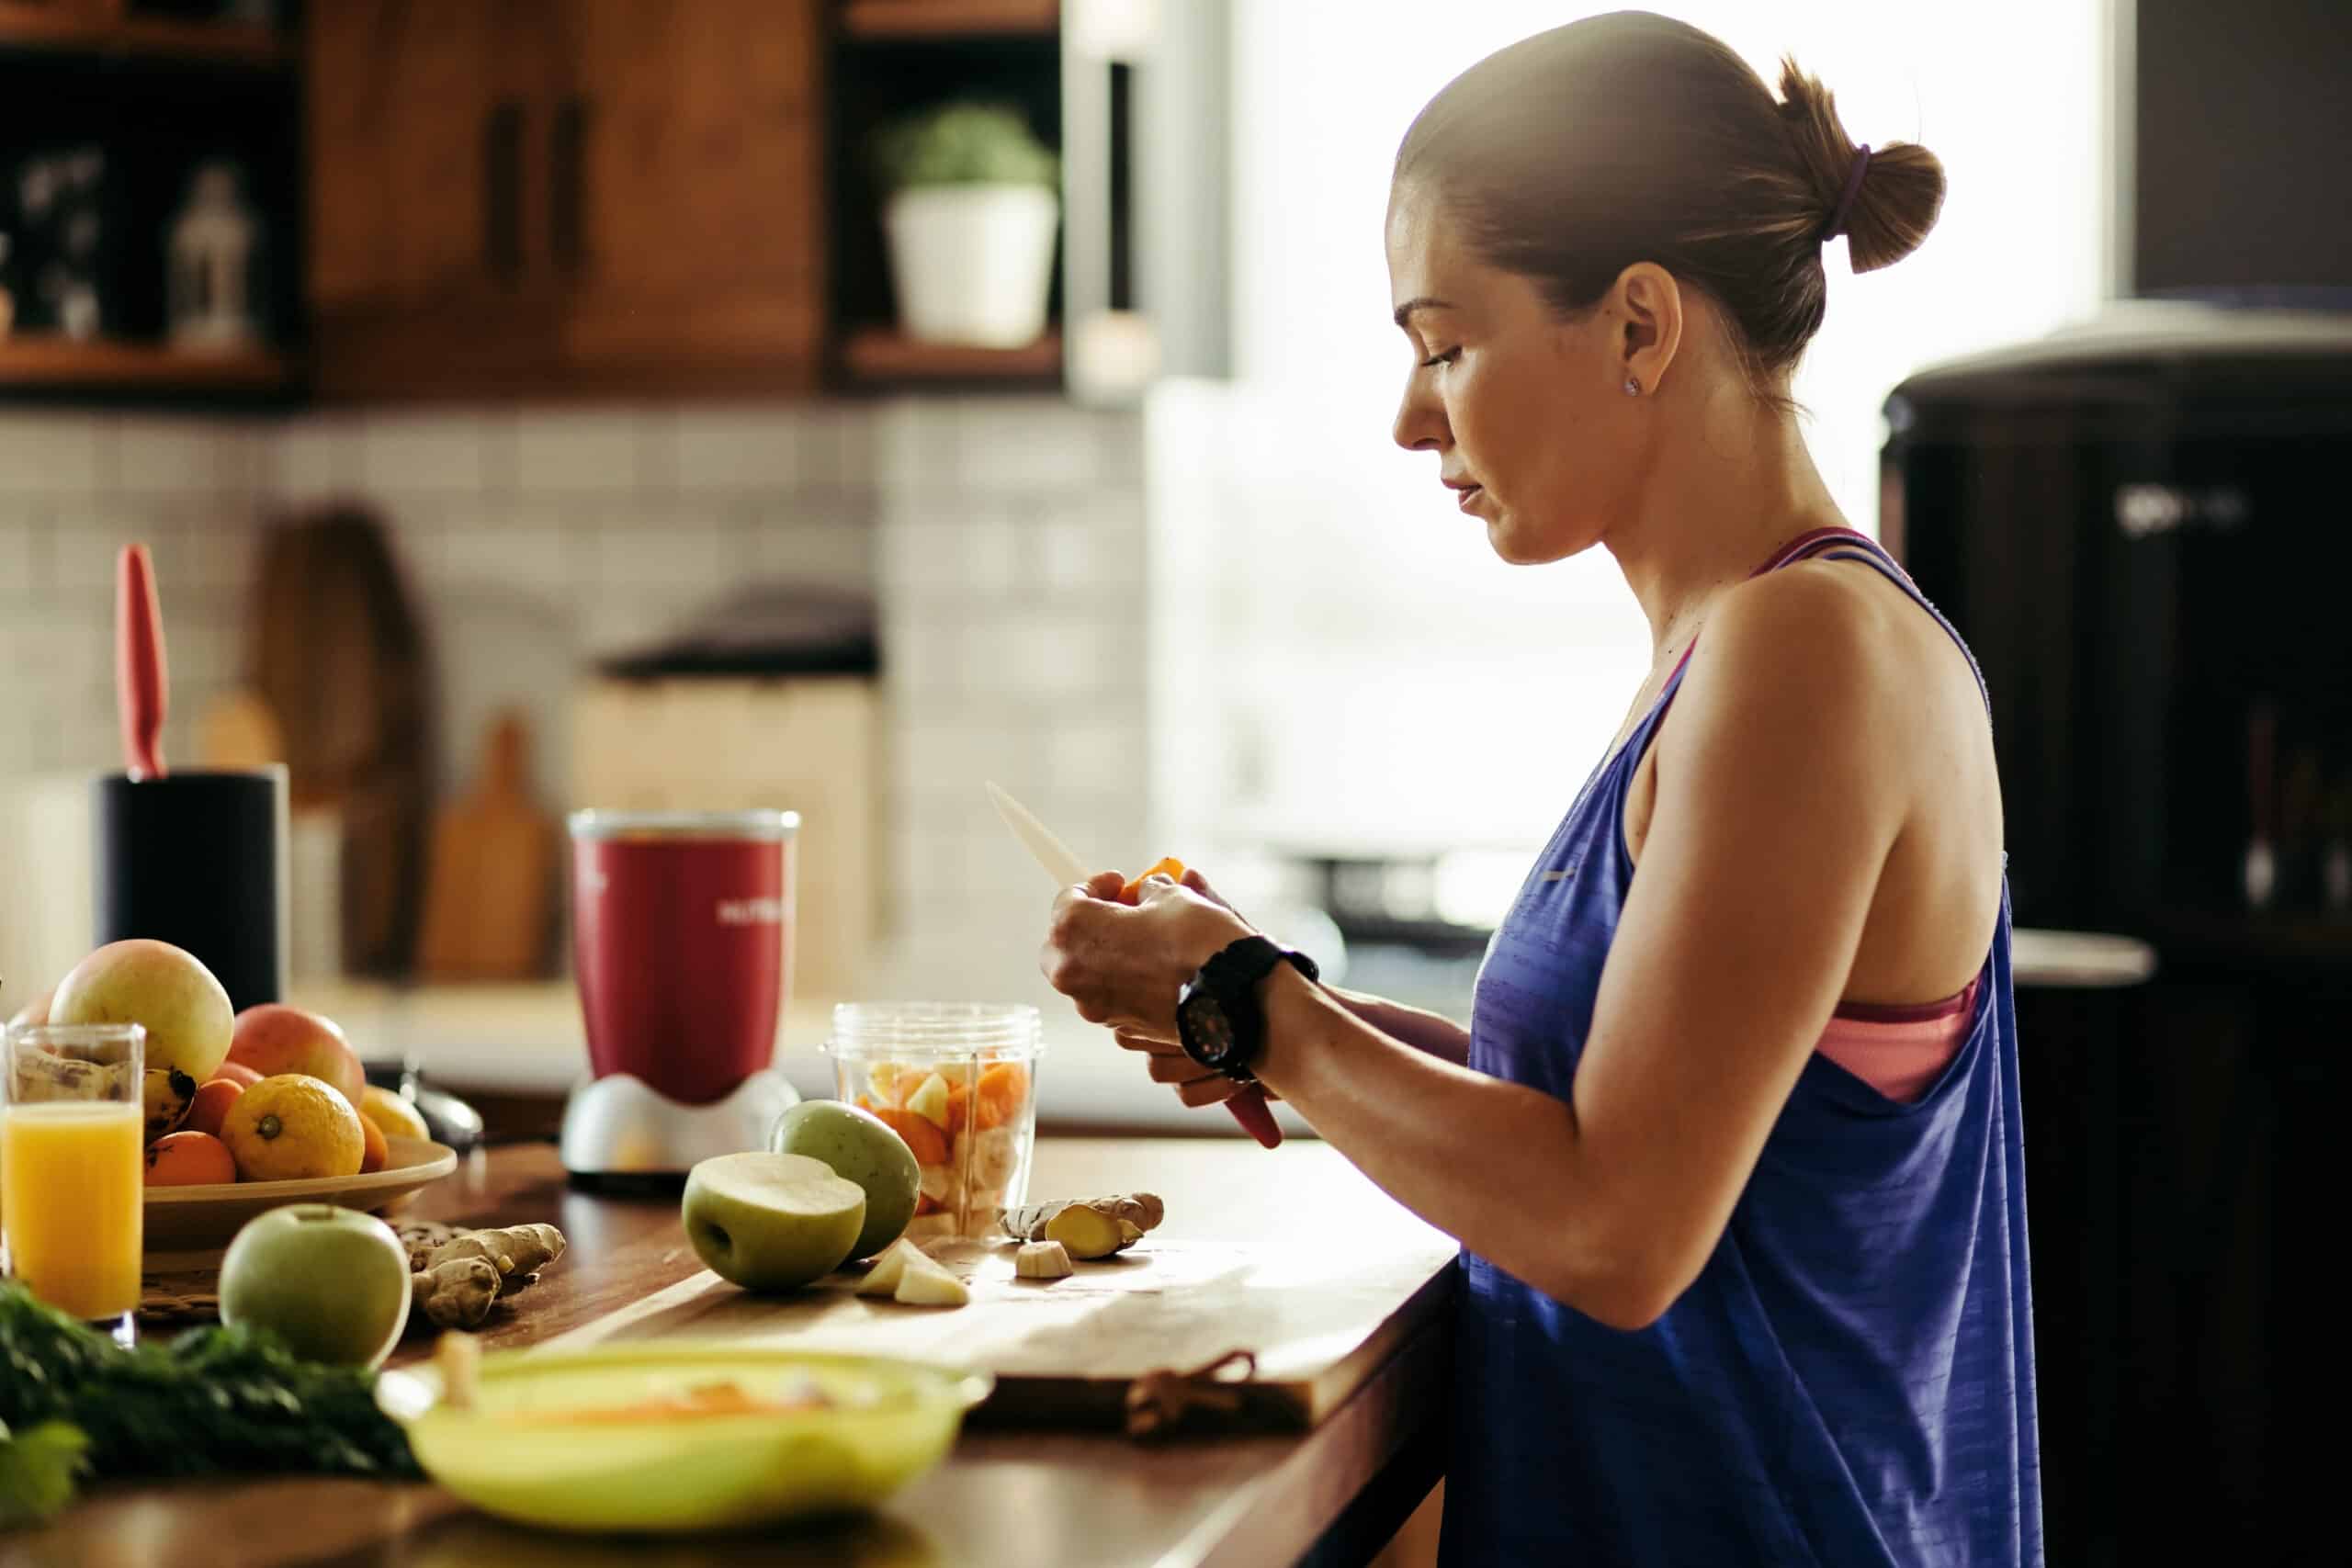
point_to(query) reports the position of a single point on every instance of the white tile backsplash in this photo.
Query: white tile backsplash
(429, 454)
(598, 452)
(46, 453)
(1003, 540)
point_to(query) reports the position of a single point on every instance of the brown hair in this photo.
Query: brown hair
(1625, 138)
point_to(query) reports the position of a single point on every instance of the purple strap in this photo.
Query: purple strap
(1845, 206)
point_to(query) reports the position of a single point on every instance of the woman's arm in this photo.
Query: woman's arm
(1777, 803)
(1432, 1034)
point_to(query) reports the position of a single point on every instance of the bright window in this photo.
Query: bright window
(1360, 669)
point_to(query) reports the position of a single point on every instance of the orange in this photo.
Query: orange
(211, 1103)
(375, 1152)
(189, 1159)
(293, 1127)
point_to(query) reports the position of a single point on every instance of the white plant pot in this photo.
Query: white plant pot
(973, 264)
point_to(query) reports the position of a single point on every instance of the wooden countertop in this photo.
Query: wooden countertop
(1015, 1499)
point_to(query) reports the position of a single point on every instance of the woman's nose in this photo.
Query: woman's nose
(1420, 423)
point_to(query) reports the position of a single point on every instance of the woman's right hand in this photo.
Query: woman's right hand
(1138, 1039)
(1143, 1040)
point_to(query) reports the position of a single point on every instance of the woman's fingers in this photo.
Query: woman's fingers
(1135, 1040)
(1210, 1090)
(1177, 1070)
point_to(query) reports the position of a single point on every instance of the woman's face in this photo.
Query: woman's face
(1527, 411)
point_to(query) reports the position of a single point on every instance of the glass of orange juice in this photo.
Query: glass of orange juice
(71, 1165)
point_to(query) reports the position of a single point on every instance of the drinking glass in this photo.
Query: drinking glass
(72, 1165)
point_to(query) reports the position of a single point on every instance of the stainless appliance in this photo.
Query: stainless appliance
(2138, 527)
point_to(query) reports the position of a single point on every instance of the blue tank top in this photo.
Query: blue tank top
(1848, 1383)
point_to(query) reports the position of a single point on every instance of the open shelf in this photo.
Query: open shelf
(951, 18)
(67, 365)
(883, 355)
(225, 44)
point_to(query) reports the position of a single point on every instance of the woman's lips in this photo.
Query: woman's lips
(1464, 497)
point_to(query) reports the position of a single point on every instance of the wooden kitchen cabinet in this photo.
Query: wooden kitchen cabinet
(690, 242)
(539, 197)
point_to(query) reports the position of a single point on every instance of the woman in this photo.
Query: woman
(1732, 1142)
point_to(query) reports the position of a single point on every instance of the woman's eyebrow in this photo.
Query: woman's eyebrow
(1419, 302)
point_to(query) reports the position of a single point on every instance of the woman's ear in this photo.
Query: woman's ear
(1648, 304)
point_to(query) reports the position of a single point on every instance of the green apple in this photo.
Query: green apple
(770, 1221)
(332, 1282)
(166, 989)
(861, 1147)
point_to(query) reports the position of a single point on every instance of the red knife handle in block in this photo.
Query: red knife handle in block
(1248, 1106)
(139, 688)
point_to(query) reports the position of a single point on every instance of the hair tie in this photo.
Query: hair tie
(1845, 206)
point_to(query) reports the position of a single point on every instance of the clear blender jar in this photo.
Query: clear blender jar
(958, 1082)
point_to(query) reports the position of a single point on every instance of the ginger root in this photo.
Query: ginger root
(1088, 1227)
(459, 1356)
(1042, 1260)
(456, 1294)
(457, 1276)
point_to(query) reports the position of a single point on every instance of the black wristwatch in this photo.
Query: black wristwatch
(1219, 1019)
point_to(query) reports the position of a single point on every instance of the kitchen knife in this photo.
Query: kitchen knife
(139, 684)
(1248, 1106)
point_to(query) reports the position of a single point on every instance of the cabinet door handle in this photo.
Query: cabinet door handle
(501, 221)
(568, 205)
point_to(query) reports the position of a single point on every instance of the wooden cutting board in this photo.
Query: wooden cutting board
(489, 882)
(1320, 1320)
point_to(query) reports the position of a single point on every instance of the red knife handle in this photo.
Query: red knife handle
(1250, 1109)
(140, 687)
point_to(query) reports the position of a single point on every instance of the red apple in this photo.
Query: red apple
(274, 1038)
(237, 1072)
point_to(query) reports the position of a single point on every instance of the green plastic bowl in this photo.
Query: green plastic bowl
(891, 1421)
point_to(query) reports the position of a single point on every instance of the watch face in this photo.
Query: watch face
(1206, 1029)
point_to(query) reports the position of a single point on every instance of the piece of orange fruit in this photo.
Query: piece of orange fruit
(375, 1153)
(1168, 867)
(189, 1159)
(929, 1143)
(213, 1098)
(997, 1099)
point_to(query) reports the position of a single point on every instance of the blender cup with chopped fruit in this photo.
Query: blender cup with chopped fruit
(958, 1082)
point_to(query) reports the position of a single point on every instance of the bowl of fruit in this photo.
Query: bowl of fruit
(246, 1110)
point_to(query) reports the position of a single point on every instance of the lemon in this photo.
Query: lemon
(293, 1127)
(394, 1117)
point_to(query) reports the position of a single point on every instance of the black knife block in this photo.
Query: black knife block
(197, 860)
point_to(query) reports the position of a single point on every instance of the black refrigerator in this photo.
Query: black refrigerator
(2143, 527)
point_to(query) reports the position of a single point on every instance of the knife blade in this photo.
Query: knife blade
(1248, 1106)
(1047, 850)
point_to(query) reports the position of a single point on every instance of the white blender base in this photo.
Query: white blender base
(620, 1126)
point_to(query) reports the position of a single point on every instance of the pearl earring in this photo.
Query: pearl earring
(1633, 387)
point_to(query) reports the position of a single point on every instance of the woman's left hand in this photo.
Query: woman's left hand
(1123, 966)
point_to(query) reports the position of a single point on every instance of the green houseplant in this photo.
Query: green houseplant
(970, 211)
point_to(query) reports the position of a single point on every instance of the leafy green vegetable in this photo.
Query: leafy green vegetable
(214, 1400)
(963, 143)
(38, 1469)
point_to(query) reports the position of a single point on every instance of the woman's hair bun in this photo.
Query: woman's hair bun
(1902, 185)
